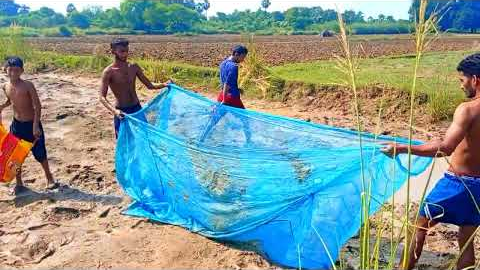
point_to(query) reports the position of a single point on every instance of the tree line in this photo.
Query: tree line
(190, 16)
(454, 16)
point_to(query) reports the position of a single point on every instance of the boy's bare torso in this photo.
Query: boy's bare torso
(21, 99)
(122, 82)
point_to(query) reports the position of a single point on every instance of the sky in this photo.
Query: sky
(396, 8)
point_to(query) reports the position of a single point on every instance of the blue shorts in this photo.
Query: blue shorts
(454, 201)
(127, 110)
(24, 131)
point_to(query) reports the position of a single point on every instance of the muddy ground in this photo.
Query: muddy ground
(81, 225)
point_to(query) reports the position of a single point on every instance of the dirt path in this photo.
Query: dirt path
(82, 227)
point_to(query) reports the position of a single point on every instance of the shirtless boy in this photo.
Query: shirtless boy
(26, 123)
(121, 78)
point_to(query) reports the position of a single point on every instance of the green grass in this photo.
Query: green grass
(157, 71)
(393, 71)
(184, 74)
(23, 31)
(437, 77)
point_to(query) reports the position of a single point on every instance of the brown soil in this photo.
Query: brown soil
(276, 50)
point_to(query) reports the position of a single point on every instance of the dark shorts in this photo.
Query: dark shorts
(24, 131)
(231, 100)
(126, 110)
(453, 201)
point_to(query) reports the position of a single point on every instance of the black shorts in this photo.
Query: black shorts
(24, 131)
(126, 110)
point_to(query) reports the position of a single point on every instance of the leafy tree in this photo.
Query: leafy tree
(467, 20)
(278, 16)
(181, 19)
(317, 14)
(469, 17)
(42, 18)
(111, 18)
(186, 3)
(156, 17)
(351, 16)
(330, 15)
(79, 20)
(9, 8)
(298, 17)
(133, 10)
(459, 14)
(170, 17)
(92, 12)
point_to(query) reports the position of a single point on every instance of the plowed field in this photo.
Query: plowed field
(276, 50)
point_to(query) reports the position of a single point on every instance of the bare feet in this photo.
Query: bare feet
(52, 186)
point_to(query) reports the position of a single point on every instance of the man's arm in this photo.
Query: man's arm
(5, 104)
(103, 94)
(141, 76)
(454, 136)
(37, 110)
(7, 101)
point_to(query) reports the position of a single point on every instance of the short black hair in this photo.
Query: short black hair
(470, 66)
(240, 49)
(117, 42)
(14, 61)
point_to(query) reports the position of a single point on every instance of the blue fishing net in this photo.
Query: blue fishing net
(289, 189)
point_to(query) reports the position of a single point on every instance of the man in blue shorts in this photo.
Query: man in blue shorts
(456, 197)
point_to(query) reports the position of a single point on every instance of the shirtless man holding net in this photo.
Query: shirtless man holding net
(456, 197)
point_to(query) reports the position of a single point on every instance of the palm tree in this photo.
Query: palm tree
(266, 4)
(71, 8)
(206, 7)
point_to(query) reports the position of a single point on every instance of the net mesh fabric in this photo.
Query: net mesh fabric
(291, 189)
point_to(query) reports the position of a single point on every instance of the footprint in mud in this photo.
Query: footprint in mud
(61, 116)
(86, 177)
(58, 213)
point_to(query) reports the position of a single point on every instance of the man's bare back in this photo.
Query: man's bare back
(122, 82)
(22, 96)
(466, 157)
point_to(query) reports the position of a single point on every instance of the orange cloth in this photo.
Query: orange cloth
(13, 153)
